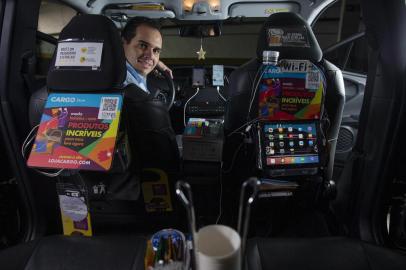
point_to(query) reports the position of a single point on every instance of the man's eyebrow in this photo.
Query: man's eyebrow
(149, 44)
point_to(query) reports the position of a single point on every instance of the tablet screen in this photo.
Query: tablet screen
(290, 144)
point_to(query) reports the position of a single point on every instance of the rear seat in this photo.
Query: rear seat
(76, 253)
(336, 253)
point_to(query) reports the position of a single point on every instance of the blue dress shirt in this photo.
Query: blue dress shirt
(133, 76)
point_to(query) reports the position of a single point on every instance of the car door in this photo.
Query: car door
(350, 55)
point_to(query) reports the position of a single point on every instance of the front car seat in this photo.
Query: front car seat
(120, 183)
(243, 80)
(146, 142)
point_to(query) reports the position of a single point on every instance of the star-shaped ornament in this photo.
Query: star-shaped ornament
(201, 53)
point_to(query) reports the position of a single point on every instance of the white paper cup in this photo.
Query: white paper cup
(218, 247)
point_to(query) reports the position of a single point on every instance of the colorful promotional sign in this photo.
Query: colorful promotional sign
(293, 90)
(77, 131)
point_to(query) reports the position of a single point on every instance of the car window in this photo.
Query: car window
(350, 56)
(53, 16)
(340, 22)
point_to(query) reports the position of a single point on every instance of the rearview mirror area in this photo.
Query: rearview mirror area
(200, 30)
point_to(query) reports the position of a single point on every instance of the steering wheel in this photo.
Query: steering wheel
(162, 87)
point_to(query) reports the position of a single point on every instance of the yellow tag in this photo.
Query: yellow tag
(70, 227)
(74, 210)
(156, 191)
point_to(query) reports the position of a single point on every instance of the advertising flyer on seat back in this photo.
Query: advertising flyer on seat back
(293, 90)
(77, 131)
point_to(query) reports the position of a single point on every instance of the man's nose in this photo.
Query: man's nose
(148, 52)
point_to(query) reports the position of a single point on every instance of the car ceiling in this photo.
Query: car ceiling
(202, 10)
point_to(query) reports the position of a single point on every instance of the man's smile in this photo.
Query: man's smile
(145, 62)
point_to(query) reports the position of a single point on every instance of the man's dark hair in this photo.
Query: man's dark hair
(130, 28)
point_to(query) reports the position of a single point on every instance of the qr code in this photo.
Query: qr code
(312, 80)
(108, 108)
(109, 103)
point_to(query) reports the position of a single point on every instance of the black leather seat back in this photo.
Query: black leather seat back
(150, 135)
(108, 78)
(120, 183)
(244, 79)
(112, 72)
(146, 121)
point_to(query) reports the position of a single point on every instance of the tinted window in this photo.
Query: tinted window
(351, 56)
(336, 24)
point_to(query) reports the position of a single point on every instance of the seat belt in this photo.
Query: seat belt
(346, 187)
(366, 103)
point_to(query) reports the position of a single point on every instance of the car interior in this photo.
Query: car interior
(264, 130)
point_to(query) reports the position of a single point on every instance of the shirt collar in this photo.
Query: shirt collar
(137, 76)
(133, 76)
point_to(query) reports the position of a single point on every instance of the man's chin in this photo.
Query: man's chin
(144, 71)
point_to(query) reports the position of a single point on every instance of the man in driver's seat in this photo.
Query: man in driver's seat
(142, 42)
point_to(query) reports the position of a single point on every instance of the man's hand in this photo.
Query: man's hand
(165, 69)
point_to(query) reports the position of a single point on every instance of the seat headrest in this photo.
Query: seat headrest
(111, 71)
(291, 35)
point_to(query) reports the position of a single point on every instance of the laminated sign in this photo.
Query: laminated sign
(77, 131)
(79, 54)
(288, 37)
(74, 210)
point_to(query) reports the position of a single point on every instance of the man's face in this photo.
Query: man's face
(142, 52)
